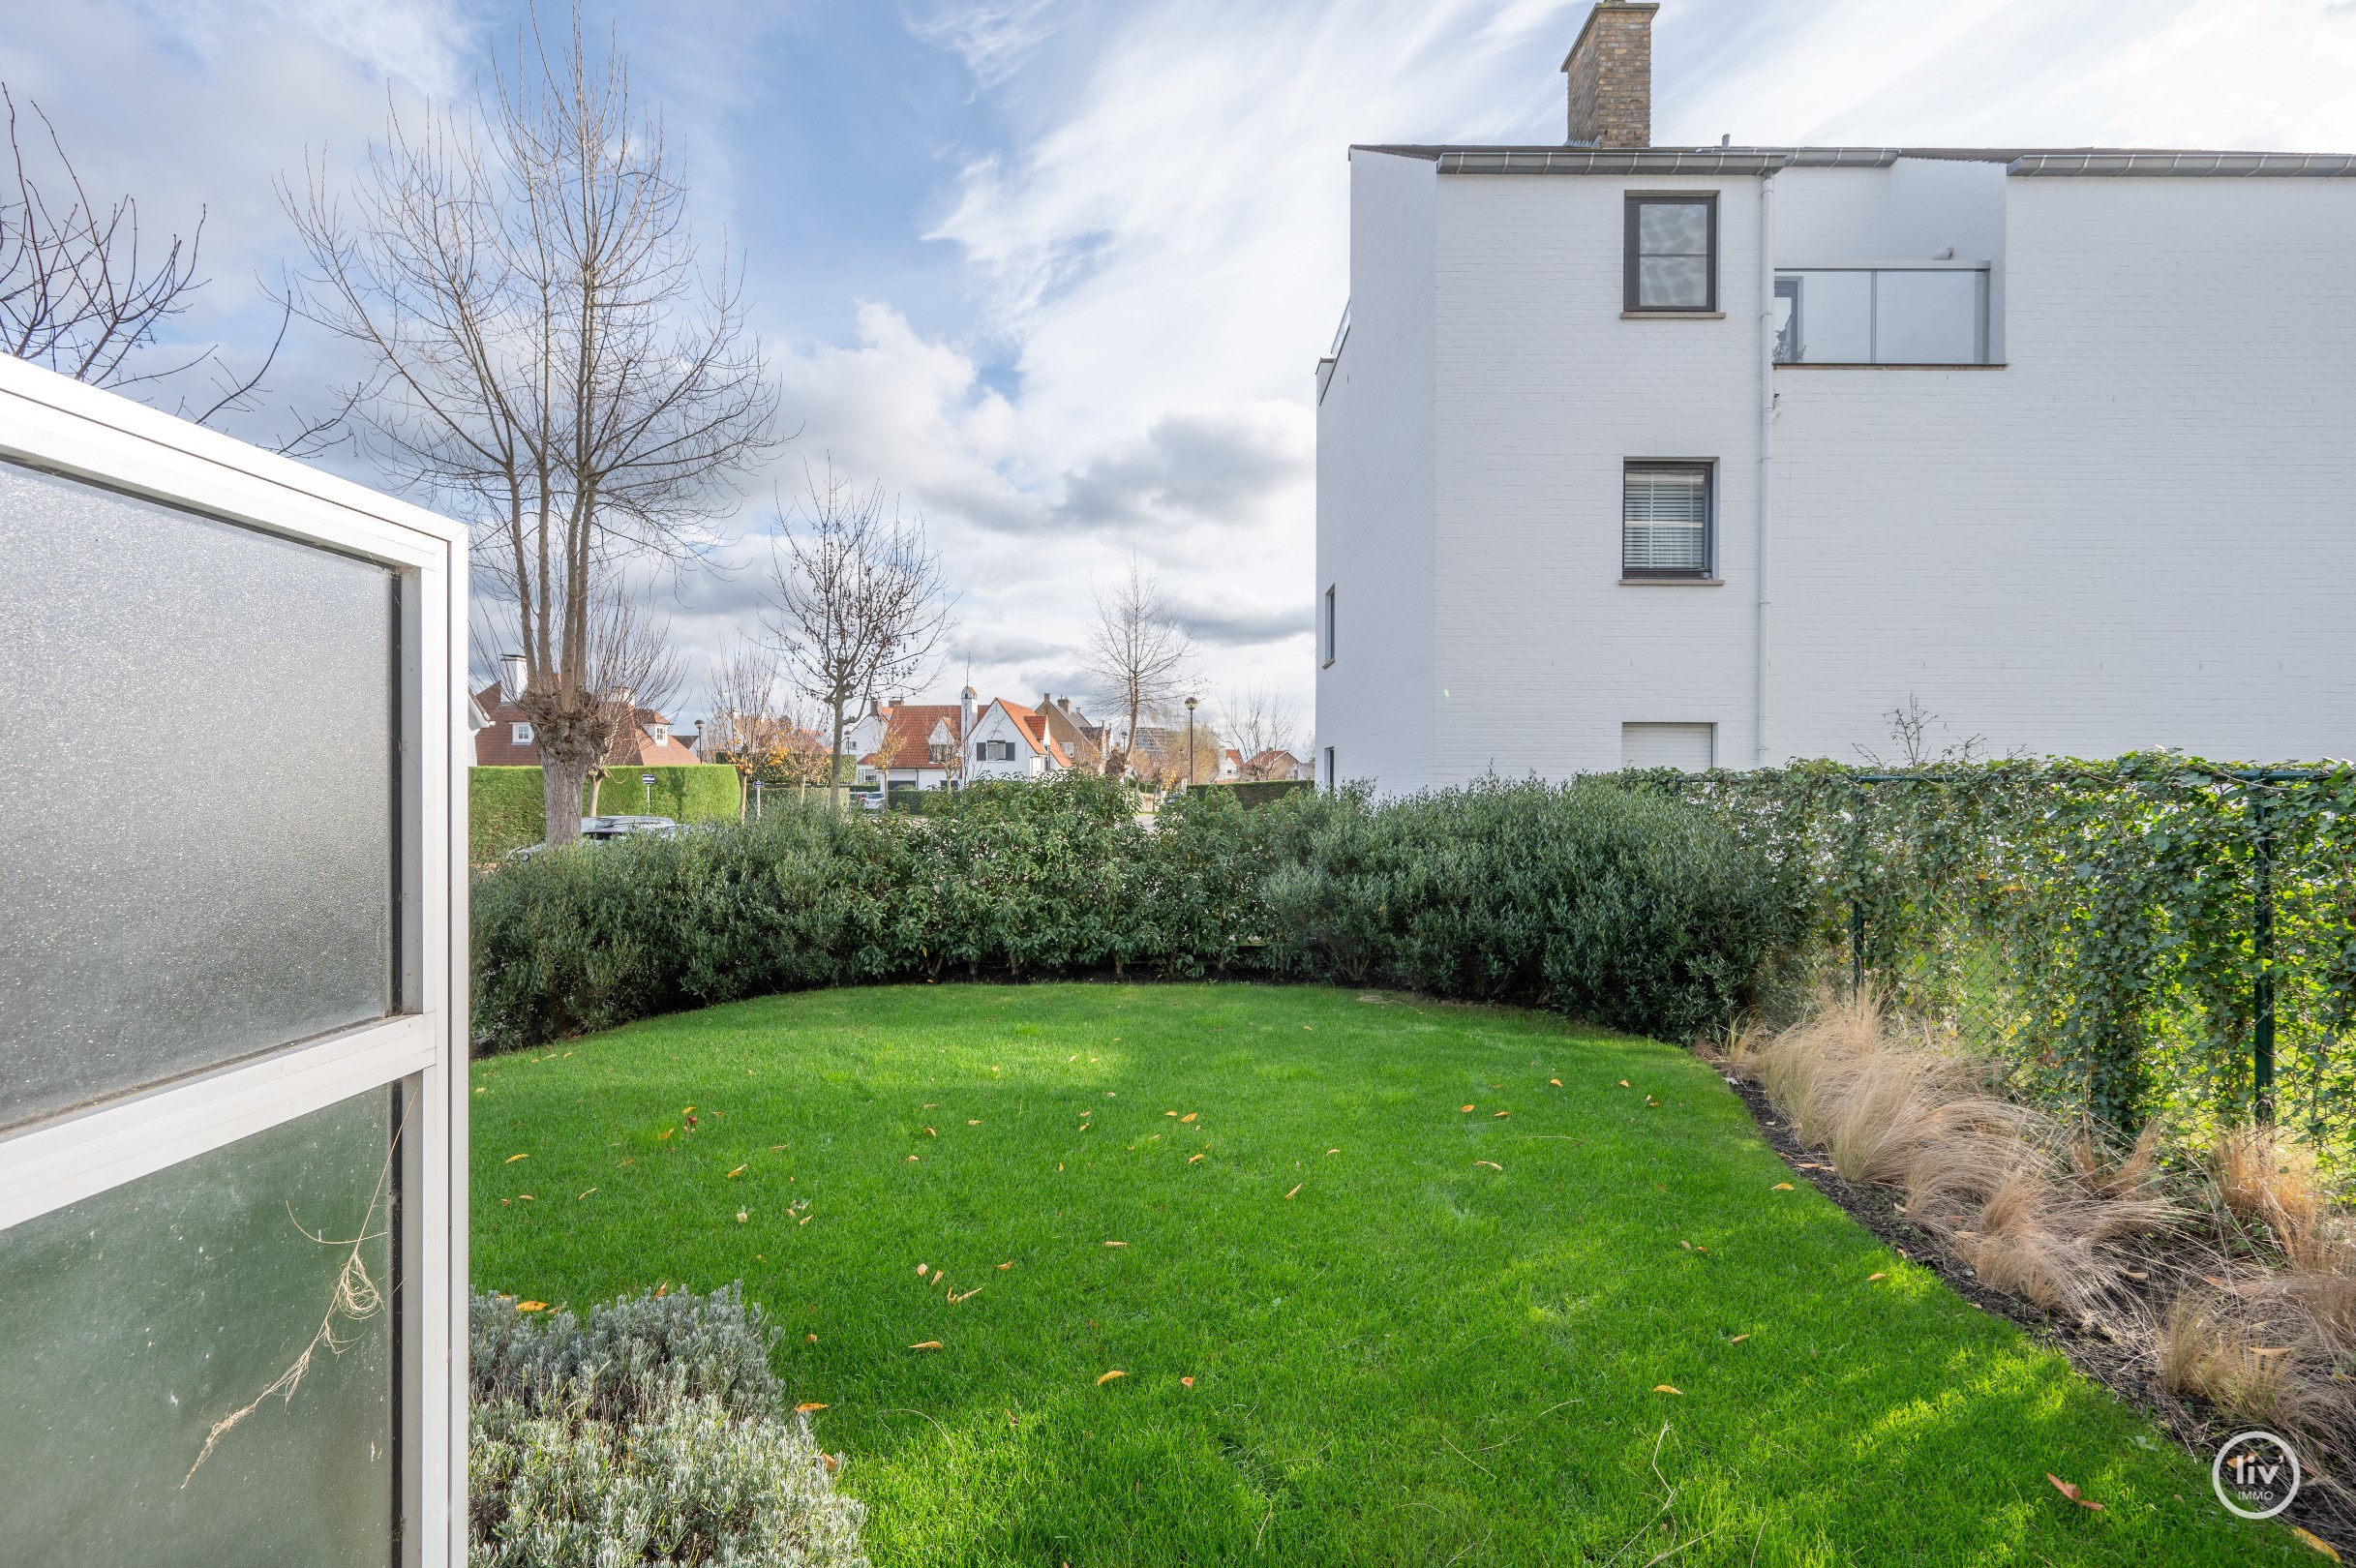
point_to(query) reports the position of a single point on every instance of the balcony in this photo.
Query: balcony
(1928, 314)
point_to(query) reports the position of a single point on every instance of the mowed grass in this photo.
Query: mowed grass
(1416, 1332)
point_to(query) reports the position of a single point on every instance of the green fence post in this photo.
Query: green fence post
(2262, 988)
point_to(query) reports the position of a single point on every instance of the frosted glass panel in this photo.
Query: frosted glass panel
(196, 807)
(136, 1320)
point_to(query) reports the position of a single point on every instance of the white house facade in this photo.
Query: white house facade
(1629, 454)
(1010, 741)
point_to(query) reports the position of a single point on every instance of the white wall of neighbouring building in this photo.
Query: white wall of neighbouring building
(2135, 529)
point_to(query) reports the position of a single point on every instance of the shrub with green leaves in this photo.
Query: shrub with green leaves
(656, 1434)
(1624, 907)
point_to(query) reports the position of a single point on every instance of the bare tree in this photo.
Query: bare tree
(75, 295)
(1137, 654)
(549, 357)
(760, 733)
(1258, 720)
(860, 602)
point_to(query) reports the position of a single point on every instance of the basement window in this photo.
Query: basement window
(1672, 245)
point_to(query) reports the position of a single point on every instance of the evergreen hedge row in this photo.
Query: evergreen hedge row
(506, 809)
(1618, 906)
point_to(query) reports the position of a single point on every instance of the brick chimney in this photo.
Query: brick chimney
(1611, 76)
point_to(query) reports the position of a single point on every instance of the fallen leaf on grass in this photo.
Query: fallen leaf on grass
(666, 1132)
(954, 1297)
(742, 1217)
(2071, 1493)
(532, 1306)
(1624, 1084)
(923, 1269)
(804, 1219)
(512, 1158)
(1738, 1339)
(1466, 1108)
(971, 1121)
(1190, 1116)
(1296, 1187)
(930, 1134)
(1116, 1244)
(833, 1463)
(1190, 1158)
(585, 1195)
(2315, 1541)
(912, 1160)
(1491, 1164)
(1505, 1113)
(1688, 1246)
(927, 1345)
(739, 1171)
(1187, 1382)
(777, 1148)
(812, 1337)
(1664, 1388)
(807, 1405)
(1009, 1263)
(1781, 1187)
(1333, 1150)
(523, 1198)
(1110, 1376)
(1870, 1278)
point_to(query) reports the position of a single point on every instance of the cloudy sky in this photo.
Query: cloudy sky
(1057, 272)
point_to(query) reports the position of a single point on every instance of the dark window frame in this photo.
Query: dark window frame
(1708, 469)
(1635, 202)
(1332, 637)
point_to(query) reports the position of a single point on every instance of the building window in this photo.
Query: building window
(1672, 253)
(1689, 748)
(1326, 632)
(520, 733)
(1332, 780)
(1664, 519)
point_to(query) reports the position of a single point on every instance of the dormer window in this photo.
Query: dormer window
(519, 734)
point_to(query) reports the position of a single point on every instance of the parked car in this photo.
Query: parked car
(608, 829)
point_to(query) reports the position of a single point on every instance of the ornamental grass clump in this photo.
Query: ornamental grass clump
(655, 1433)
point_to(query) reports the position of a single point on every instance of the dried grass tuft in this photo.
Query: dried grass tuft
(2267, 1180)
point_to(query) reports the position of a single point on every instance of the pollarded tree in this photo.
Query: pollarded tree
(548, 359)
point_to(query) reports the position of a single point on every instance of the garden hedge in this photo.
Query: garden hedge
(1614, 905)
(506, 807)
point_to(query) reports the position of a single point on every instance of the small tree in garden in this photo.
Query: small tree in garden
(1139, 656)
(632, 667)
(860, 602)
(548, 357)
(760, 737)
(1258, 721)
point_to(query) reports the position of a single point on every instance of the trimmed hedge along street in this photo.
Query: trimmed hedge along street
(1416, 1332)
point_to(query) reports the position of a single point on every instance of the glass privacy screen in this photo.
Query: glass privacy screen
(196, 815)
(140, 1322)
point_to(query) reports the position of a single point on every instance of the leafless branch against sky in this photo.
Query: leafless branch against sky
(1136, 654)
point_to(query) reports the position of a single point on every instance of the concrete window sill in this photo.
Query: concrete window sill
(1672, 582)
(1672, 315)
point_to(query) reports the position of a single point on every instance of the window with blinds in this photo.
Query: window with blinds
(1664, 519)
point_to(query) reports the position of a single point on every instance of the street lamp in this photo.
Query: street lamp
(648, 779)
(1190, 742)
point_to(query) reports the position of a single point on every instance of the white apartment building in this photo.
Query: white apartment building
(1636, 454)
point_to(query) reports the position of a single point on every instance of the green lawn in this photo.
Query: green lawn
(1416, 1334)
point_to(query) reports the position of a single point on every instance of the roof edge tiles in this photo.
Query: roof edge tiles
(2082, 162)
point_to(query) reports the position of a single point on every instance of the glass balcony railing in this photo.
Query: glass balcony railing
(1882, 316)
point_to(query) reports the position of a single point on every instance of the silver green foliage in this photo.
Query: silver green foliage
(654, 1434)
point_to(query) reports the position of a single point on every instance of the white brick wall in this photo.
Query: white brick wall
(2141, 532)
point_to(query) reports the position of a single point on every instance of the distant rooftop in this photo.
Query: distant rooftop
(2113, 161)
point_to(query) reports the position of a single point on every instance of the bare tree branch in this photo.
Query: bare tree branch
(76, 296)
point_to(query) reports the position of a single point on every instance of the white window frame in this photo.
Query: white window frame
(519, 733)
(50, 422)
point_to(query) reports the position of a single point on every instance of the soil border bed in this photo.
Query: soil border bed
(2090, 1350)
